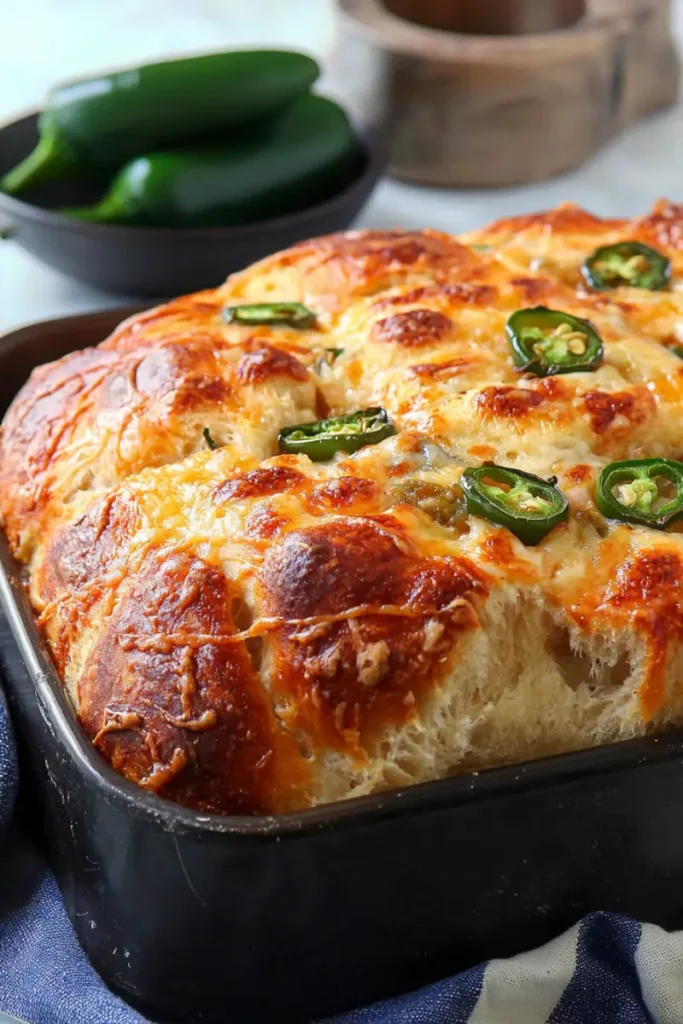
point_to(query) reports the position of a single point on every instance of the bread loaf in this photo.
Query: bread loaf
(243, 631)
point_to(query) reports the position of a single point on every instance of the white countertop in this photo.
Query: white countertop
(48, 40)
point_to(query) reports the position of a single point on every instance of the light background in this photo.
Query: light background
(44, 41)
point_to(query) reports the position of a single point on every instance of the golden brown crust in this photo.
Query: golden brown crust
(262, 361)
(662, 227)
(568, 218)
(106, 414)
(354, 674)
(260, 483)
(176, 706)
(249, 632)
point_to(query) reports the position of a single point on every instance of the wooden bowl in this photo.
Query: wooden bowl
(472, 110)
(490, 17)
(157, 262)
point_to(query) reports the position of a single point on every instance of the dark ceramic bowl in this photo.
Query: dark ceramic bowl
(156, 261)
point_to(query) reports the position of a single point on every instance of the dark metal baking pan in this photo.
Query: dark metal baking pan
(199, 918)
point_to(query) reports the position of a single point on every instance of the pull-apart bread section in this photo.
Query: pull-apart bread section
(245, 629)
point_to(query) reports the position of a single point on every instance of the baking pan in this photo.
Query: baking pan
(199, 918)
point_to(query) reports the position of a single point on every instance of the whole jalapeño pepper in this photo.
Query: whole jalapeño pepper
(525, 504)
(306, 156)
(630, 264)
(547, 341)
(644, 491)
(324, 438)
(96, 124)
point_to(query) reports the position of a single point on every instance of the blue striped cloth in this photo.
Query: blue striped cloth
(607, 969)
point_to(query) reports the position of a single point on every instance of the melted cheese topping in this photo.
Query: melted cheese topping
(243, 631)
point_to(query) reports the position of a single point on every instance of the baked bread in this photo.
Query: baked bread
(243, 631)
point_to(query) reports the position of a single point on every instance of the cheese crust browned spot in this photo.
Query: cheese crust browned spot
(415, 327)
(260, 483)
(264, 361)
(566, 218)
(450, 294)
(664, 226)
(449, 368)
(508, 401)
(579, 474)
(533, 290)
(344, 493)
(603, 407)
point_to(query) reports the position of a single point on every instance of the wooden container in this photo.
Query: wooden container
(490, 17)
(478, 110)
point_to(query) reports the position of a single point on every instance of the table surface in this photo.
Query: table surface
(48, 40)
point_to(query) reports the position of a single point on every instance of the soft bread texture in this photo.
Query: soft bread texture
(247, 632)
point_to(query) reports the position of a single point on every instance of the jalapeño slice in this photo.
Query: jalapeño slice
(629, 264)
(525, 504)
(275, 314)
(645, 491)
(547, 341)
(324, 438)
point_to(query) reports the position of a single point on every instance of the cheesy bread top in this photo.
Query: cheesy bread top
(247, 631)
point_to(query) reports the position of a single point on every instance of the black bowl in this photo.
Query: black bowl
(156, 261)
